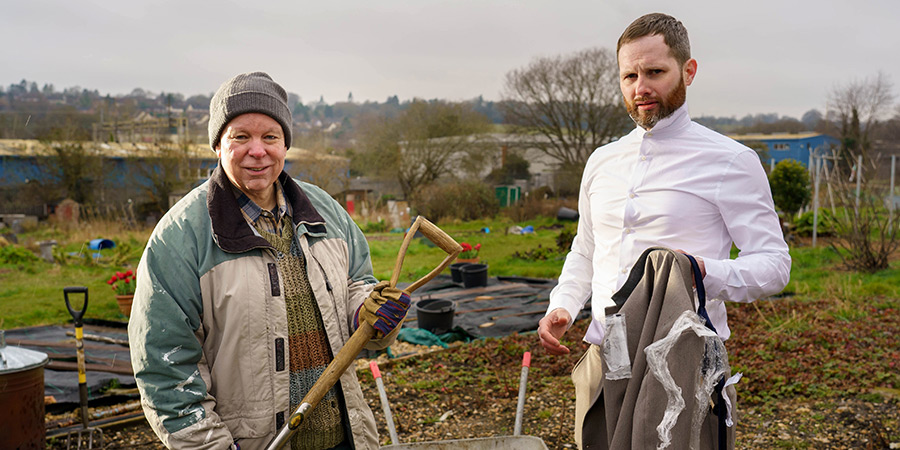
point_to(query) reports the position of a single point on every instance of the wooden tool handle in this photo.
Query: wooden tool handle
(434, 234)
(365, 332)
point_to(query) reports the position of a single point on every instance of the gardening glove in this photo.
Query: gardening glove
(384, 309)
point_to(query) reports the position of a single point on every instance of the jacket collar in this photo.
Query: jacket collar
(232, 232)
(305, 216)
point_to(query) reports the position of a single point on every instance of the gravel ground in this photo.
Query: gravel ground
(471, 391)
(843, 424)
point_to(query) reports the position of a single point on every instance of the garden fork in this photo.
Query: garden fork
(86, 434)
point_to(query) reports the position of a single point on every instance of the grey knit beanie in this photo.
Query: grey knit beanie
(254, 92)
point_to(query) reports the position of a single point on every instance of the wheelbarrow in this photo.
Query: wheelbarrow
(514, 442)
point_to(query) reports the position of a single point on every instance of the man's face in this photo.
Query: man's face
(252, 152)
(653, 84)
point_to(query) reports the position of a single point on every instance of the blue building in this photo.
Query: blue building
(29, 181)
(796, 146)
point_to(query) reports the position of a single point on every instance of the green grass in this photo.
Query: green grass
(497, 249)
(31, 292)
(33, 295)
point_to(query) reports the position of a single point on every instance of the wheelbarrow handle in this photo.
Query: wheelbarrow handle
(77, 315)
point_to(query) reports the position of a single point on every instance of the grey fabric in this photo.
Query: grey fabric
(628, 411)
(253, 92)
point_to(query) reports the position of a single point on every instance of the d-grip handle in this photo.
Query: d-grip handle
(77, 315)
(434, 234)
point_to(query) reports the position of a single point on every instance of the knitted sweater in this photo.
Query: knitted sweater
(308, 347)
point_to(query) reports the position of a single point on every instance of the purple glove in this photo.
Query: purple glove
(384, 309)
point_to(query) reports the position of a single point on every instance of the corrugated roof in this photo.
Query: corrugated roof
(32, 147)
(773, 136)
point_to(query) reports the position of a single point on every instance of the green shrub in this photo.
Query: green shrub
(467, 200)
(13, 254)
(803, 226)
(790, 187)
(565, 238)
(375, 227)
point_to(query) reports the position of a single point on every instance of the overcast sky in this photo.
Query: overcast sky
(759, 56)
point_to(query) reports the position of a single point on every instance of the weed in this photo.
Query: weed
(872, 397)
(426, 385)
(14, 254)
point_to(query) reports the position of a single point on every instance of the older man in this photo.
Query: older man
(670, 182)
(247, 289)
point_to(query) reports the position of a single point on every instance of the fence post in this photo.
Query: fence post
(816, 176)
(891, 197)
(858, 182)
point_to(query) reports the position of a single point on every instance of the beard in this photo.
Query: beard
(666, 106)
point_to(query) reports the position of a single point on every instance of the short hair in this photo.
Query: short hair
(673, 31)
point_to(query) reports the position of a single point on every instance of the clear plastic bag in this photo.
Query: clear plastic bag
(615, 348)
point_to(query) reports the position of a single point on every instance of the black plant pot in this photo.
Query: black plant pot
(435, 315)
(474, 275)
(455, 273)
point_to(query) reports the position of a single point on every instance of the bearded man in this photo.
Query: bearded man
(671, 183)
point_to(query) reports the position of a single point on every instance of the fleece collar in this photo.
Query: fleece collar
(231, 230)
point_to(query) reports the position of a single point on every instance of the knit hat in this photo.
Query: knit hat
(254, 92)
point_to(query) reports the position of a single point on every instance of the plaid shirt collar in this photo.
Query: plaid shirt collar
(258, 217)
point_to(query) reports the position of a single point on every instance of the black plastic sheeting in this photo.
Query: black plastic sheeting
(62, 385)
(509, 296)
(517, 304)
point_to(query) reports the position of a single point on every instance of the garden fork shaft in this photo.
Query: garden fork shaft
(365, 332)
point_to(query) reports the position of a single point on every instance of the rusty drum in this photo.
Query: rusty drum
(21, 397)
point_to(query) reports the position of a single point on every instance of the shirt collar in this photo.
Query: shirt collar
(252, 211)
(676, 121)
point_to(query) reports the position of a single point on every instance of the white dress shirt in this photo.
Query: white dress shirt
(682, 186)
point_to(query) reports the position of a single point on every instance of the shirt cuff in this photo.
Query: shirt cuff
(714, 281)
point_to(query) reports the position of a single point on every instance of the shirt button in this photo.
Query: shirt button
(624, 270)
(643, 158)
(629, 230)
(631, 195)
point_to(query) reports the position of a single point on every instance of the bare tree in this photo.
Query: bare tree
(569, 105)
(421, 143)
(69, 164)
(325, 171)
(867, 226)
(858, 106)
(167, 171)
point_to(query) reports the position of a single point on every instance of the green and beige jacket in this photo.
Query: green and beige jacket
(208, 328)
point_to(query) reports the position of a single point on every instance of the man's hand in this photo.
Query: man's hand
(551, 328)
(384, 309)
(699, 264)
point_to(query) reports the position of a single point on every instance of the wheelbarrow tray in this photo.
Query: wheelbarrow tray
(489, 443)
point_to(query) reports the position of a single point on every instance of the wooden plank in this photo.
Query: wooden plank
(474, 291)
(93, 359)
(56, 344)
(73, 367)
